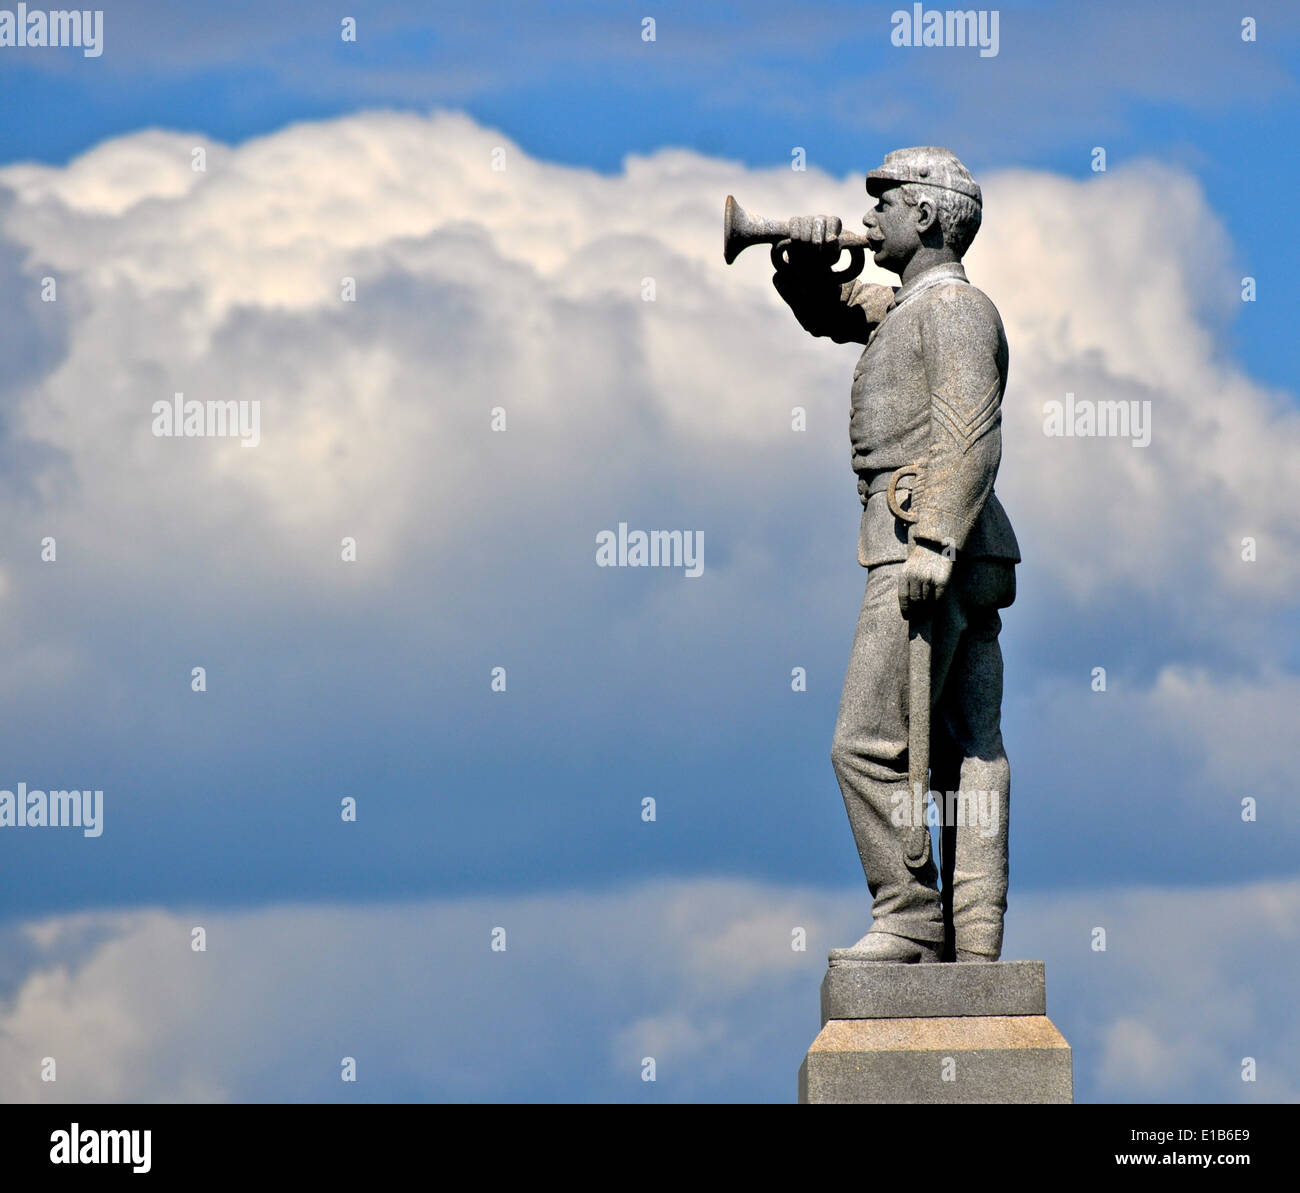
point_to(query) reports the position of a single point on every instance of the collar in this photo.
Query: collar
(948, 271)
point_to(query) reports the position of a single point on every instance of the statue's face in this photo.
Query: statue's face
(893, 229)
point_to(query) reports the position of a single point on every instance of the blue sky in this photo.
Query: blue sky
(326, 680)
(575, 83)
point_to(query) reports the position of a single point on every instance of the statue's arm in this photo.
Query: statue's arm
(846, 313)
(965, 355)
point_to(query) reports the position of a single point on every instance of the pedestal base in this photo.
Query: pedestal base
(951, 1033)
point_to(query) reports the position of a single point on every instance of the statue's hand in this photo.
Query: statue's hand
(815, 229)
(925, 577)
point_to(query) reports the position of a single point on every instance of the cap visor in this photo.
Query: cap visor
(878, 180)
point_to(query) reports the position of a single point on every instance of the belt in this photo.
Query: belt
(878, 482)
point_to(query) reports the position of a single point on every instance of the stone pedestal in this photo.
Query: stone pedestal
(954, 1033)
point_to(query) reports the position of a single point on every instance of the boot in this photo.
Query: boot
(888, 949)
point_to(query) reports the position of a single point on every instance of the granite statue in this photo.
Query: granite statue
(918, 737)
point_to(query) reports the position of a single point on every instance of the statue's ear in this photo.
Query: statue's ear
(927, 216)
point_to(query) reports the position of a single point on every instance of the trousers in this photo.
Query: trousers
(968, 763)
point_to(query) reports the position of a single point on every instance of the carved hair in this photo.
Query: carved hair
(959, 216)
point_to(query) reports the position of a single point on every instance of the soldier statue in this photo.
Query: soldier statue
(925, 431)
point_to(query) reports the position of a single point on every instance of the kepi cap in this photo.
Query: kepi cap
(930, 165)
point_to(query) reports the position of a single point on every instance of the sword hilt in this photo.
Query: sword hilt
(891, 494)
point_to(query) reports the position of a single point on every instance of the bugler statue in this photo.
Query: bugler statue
(920, 712)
